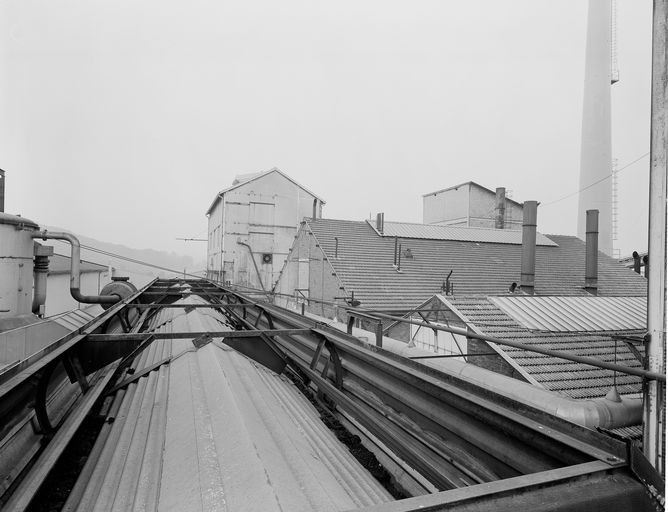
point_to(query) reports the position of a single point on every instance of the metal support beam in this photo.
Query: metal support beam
(251, 333)
(655, 398)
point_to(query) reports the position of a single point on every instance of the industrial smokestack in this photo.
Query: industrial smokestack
(591, 255)
(528, 275)
(596, 147)
(500, 207)
(380, 222)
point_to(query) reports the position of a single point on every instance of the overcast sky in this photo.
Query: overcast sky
(121, 120)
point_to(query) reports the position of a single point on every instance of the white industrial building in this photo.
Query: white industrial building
(252, 226)
(471, 205)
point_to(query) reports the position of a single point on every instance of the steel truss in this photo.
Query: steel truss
(449, 443)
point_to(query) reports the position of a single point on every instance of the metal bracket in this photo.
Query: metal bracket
(75, 371)
(202, 340)
(139, 375)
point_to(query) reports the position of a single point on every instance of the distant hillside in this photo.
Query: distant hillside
(166, 260)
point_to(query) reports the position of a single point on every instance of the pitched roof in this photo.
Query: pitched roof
(243, 179)
(575, 314)
(465, 233)
(572, 379)
(493, 192)
(364, 264)
(59, 264)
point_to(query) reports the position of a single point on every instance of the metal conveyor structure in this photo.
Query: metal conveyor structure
(449, 444)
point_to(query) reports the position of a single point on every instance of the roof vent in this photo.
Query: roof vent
(591, 252)
(528, 274)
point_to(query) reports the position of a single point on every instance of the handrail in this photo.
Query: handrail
(646, 374)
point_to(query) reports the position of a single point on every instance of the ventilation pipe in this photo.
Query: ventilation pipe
(252, 258)
(2, 191)
(528, 274)
(75, 268)
(636, 262)
(40, 272)
(380, 222)
(396, 249)
(500, 208)
(591, 254)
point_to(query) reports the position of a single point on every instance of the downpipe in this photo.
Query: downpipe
(75, 268)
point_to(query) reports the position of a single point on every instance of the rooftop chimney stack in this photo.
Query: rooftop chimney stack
(591, 255)
(380, 222)
(2, 191)
(528, 274)
(500, 207)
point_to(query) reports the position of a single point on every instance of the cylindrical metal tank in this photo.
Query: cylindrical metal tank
(16, 265)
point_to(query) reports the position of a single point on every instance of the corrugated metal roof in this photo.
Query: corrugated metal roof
(465, 234)
(213, 430)
(575, 380)
(364, 264)
(576, 314)
(19, 343)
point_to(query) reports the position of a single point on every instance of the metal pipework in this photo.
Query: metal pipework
(257, 270)
(528, 275)
(500, 208)
(75, 268)
(40, 272)
(591, 254)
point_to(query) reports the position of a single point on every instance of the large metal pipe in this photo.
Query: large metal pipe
(591, 254)
(528, 276)
(500, 208)
(597, 412)
(75, 268)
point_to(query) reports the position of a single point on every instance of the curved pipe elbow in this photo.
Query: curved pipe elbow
(93, 299)
(602, 412)
(75, 268)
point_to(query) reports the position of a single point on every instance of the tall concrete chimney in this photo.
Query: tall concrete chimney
(500, 207)
(596, 141)
(528, 275)
(591, 254)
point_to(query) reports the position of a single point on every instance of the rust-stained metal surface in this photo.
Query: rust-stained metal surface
(213, 430)
(576, 314)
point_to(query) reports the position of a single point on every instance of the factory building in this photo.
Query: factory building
(394, 266)
(252, 225)
(472, 205)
